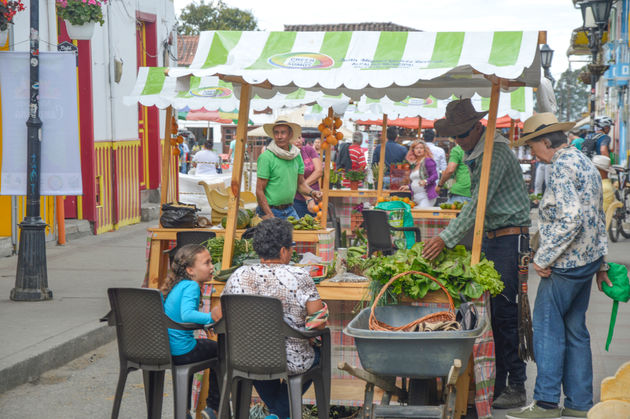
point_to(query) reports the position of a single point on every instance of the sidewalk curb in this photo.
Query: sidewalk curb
(32, 367)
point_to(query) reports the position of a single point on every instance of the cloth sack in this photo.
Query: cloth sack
(620, 291)
(410, 237)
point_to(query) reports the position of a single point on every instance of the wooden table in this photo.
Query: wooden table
(160, 238)
(435, 213)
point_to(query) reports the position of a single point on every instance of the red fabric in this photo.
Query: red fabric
(357, 157)
(412, 122)
(205, 115)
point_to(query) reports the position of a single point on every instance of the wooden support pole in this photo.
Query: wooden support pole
(61, 220)
(512, 129)
(166, 157)
(485, 173)
(326, 185)
(237, 174)
(381, 162)
(419, 127)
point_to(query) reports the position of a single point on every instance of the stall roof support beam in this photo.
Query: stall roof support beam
(237, 173)
(485, 174)
(166, 156)
(381, 162)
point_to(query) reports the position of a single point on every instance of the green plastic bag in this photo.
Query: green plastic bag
(620, 291)
(394, 208)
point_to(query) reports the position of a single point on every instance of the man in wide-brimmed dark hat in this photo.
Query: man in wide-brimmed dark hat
(506, 221)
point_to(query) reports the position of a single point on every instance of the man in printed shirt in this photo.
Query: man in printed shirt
(572, 247)
(506, 220)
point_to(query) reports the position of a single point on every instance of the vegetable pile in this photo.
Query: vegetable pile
(308, 222)
(451, 268)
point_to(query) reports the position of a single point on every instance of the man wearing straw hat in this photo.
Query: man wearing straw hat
(280, 172)
(506, 224)
(572, 246)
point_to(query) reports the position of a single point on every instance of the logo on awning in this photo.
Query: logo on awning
(301, 60)
(214, 92)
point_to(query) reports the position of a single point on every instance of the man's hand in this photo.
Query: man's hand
(602, 276)
(267, 216)
(542, 272)
(317, 195)
(433, 247)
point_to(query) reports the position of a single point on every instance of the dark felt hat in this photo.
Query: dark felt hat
(460, 117)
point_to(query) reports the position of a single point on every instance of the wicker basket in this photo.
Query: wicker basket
(440, 316)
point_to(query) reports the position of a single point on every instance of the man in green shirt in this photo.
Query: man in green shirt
(280, 173)
(506, 224)
(460, 190)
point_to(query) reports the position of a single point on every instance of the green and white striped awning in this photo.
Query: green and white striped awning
(377, 64)
(154, 88)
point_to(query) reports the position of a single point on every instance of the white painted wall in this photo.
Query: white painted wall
(115, 39)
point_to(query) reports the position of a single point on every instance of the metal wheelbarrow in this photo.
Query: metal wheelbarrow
(414, 356)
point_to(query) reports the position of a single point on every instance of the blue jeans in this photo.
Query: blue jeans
(285, 213)
(275, 393)
(510, 369)
(562, 344)
(301, 208)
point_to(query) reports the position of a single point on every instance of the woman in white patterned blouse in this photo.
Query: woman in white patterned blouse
(294, 287)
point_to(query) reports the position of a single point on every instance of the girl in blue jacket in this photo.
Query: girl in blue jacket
(191, 266)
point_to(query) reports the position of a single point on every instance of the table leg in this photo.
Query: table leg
(157, 264)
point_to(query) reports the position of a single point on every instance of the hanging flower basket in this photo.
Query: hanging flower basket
(80, 16)
(8, 10)
(80, 32)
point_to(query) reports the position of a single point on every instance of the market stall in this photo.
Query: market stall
(395, 64)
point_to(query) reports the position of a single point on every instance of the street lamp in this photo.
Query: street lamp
(546, 55)
(31, 279)
(595, 14)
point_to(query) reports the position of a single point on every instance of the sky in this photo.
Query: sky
(557, 17)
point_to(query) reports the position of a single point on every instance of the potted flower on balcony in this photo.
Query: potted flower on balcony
(8, 10)
(355, 177)
(80, 16)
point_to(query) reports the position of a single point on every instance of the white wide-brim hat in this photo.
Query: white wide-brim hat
(295, 128)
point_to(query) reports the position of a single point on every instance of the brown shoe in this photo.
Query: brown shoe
(512, 397)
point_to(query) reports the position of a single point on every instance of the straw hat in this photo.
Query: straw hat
(460, 117)
(539, 124)
(602, 163)
(297, 130)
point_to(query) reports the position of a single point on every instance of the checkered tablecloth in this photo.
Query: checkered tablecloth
(343, 208)
(430, 227)
(326, 246)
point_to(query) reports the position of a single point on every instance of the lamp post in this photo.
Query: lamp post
(31, 280)
(595, 15)
(546, 55)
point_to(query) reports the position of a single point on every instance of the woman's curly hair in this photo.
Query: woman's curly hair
(185, 257)
(272, 235)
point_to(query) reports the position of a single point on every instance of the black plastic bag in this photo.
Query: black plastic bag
(178, 215)
(466, 314)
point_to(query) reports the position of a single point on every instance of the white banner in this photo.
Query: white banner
(60, 154)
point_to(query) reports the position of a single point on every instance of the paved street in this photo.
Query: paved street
(80, 272)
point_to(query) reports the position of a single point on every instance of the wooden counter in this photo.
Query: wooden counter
(359, 193)
(160, 238)
(436, 213)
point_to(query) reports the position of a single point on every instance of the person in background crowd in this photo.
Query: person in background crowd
(274, 277)
(232, 148)
(599, 142)
(357, 157)
(460, 189)
(184, 156)
(602, 163)
(438, 152)
(423, 177)
(317, 145)
(541, 180)
(394, 153)
(506, 224)
(206, 161)
(576, 139)
(280, 172)
(572, 246)
(313, 172)
(191, 267)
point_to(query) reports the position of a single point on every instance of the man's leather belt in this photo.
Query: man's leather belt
(506, 231)
(280, 207)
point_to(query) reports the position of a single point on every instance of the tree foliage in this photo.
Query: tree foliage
(216, 15)
(572, 96)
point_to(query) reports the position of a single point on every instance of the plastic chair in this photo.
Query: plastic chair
(255, 349)
(379, 231)
(189, 237)
(141, 331)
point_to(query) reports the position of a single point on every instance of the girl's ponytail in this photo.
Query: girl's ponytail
(184, 258)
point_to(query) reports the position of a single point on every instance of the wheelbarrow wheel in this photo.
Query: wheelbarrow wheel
(423, 392)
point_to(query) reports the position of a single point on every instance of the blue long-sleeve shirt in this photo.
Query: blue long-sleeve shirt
(182, 306)
(394, 153)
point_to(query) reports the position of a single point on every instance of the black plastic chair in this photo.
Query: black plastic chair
(141, 331)
(255, 349)
(189, 237)
(379, 231)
